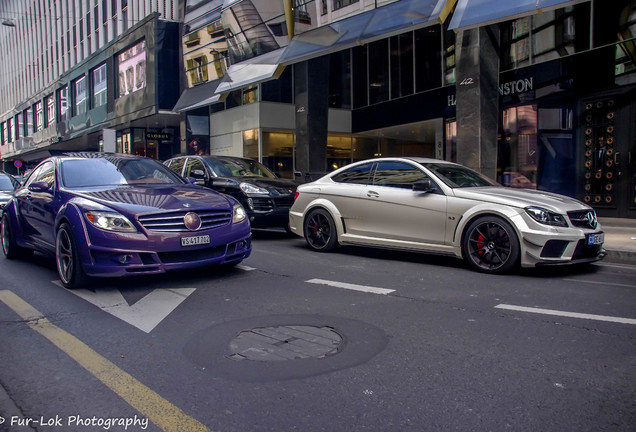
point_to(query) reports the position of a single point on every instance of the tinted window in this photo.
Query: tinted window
(113, 171)
(46, 173)
(176, 165)
(358, 174)
(459, 176)
(397, 174)
(195, 169)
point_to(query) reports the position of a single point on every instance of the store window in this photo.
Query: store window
(277, 152)
(79, 96)
(99, 86)
(378, 71)
(402, 58)
(428, 58)
(518, 158)
(339, 4)
(62, 103)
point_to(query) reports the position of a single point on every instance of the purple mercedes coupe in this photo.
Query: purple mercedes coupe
(112, 215)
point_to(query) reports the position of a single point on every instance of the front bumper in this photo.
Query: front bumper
(115, 255)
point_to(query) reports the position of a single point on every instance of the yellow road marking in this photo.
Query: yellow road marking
(165, 415)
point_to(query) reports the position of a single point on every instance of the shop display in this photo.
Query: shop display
(599, 152)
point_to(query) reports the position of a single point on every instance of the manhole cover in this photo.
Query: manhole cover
(289, 342)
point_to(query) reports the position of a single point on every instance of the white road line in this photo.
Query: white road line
(245, 268)
(567, 314)
(600, 283)
(354, 287)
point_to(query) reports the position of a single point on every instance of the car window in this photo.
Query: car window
(358, 174)
(459, 176)
(219, 168)
(6, 183)
(397, 174)
(176, 165)
(246, 167)
(195, 168)
(92, 172)
(45, 173)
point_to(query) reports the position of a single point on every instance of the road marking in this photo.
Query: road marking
(599, 283)
(245, 268)
(158, 410)
(145, 314)
(567, 314)
(354, 287)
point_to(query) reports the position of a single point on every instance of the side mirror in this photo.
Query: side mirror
(39, 186)
(425, 186)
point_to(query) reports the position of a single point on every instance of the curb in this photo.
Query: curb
(616, 256)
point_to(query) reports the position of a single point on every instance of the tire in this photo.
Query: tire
(491, 245)
(320, 231)
(69, 267)
(9, 246)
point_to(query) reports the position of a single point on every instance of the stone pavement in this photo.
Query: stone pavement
(620, 240)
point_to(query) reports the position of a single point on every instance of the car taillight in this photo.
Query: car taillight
(296, 195)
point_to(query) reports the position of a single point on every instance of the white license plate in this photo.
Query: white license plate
(595, 239)
(195, 240)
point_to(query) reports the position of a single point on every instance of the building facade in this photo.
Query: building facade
(541, 97)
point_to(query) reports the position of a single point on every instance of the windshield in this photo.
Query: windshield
(91, 172)
(6, 184)
(230, 167)
(457, 176)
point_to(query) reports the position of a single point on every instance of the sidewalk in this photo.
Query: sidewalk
(620, 240)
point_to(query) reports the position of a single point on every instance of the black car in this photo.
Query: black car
(7, 185)
(266, 197)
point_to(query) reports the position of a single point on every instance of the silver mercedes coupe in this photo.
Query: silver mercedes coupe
(433, 206)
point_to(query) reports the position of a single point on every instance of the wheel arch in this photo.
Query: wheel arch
(331, 209)
(72, 215)
(500, 212)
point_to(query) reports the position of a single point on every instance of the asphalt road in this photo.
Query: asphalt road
(372, 341)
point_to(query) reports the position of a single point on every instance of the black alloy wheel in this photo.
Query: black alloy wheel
(67, 259)
(320, 231)
(491, 245)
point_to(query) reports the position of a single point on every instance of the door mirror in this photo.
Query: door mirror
(39, 186)
(425, 185)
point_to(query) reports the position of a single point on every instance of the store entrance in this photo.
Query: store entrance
(609, 181)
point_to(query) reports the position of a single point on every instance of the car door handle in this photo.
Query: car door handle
(372, 194)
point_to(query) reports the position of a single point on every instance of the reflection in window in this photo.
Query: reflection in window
(132, 69)
(20, 123)
(50, 110)
(358, 174)
(79, 93)
(543, 37)
(39, 116)
(397, 174)
(99, 86)
(518, 158)
(62, 101)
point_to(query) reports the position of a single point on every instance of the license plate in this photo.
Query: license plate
(196, 240)
(595, 239)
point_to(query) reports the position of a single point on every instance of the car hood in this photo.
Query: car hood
(521, 198)
(279, 184)
(156, 198)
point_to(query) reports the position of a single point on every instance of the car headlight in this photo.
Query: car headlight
(110, 221)
(546, 217)
(252, 189)
(238, 213)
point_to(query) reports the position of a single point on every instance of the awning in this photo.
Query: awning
(475, 13)
(252, 71)
(379, 23)
(198, 96)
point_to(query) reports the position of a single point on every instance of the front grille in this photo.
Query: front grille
(262, 204)
(173, 221)
(583, 219)
(284, 202)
